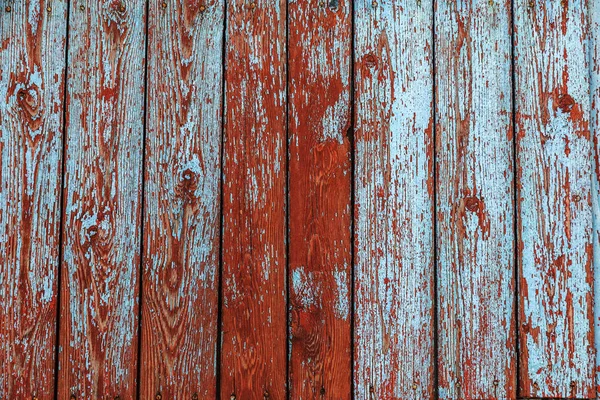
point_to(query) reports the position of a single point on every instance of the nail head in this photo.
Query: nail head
(82, 7)
(8, 8)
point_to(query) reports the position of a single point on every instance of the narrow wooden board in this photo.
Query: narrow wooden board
(319, 41)
(182, 200)
(101, 238)
(594, 66)
(32, 66)
(554, 169)
(254, 323)
(475, 200)
(394, 275)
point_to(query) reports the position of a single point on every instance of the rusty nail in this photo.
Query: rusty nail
(195, 396)
(158, 396)
(266, 395)
(322, 4)
(572, 384)
(82, 7)
(252, 5)
(73, 397)
(34, 398)
(531, 4)
(374, 4)
(117, 397)
(48, 8)
(232, 397)
(8, 8)
(576, 198)
(414, 386)
(122, 7)
(371, 389)
(202, 8)
(457, 384)
(496, 382)
(322, 391)
(164, 5)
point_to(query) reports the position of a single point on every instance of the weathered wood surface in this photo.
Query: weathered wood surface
(475, 200)
(319, 193)
(32, 64)
(254, 314)
(394, 272)
(554, 199)
(182, 200)
(594, 66)
(102, 198)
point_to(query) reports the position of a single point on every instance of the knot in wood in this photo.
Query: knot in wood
(370, 60)
(565, 102)
(472, 203)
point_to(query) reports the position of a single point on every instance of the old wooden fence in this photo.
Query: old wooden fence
(303, 199)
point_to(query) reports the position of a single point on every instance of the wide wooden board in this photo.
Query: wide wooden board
(319, 192)
(394, 270)
(475, 200)
(554, 175)
(182, 200)
(254, 323)
(32, 66)
(102, 198)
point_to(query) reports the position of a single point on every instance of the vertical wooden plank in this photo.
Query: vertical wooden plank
(254, 323)
(594, 66)
(475, 200)
(32, 65)
(394, 276)
(182, 199)
(319, 183)
(554, 199)
(101, 238)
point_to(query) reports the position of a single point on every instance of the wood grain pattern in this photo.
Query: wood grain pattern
(101, 238)
(394, 273)
(554, 199)
(319, 191)
(32, 65)
(594, 66)
(475, 200)
(254, 324)
(182, 200)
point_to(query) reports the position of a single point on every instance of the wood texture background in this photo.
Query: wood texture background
(475, 200)
(394, 271)
(32, 67)
(182, 186)
(554, 175)
(321, 199)
(254, 323)
(102, 200)
(319, 194)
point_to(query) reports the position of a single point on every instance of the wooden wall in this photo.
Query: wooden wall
(303, 199)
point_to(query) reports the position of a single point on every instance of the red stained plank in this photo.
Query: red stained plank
(102, 194)
(554, 175)
(394, 275)
(319, 181)
(182, 200)
(32, 65)
(254, 346)
(475, 200)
